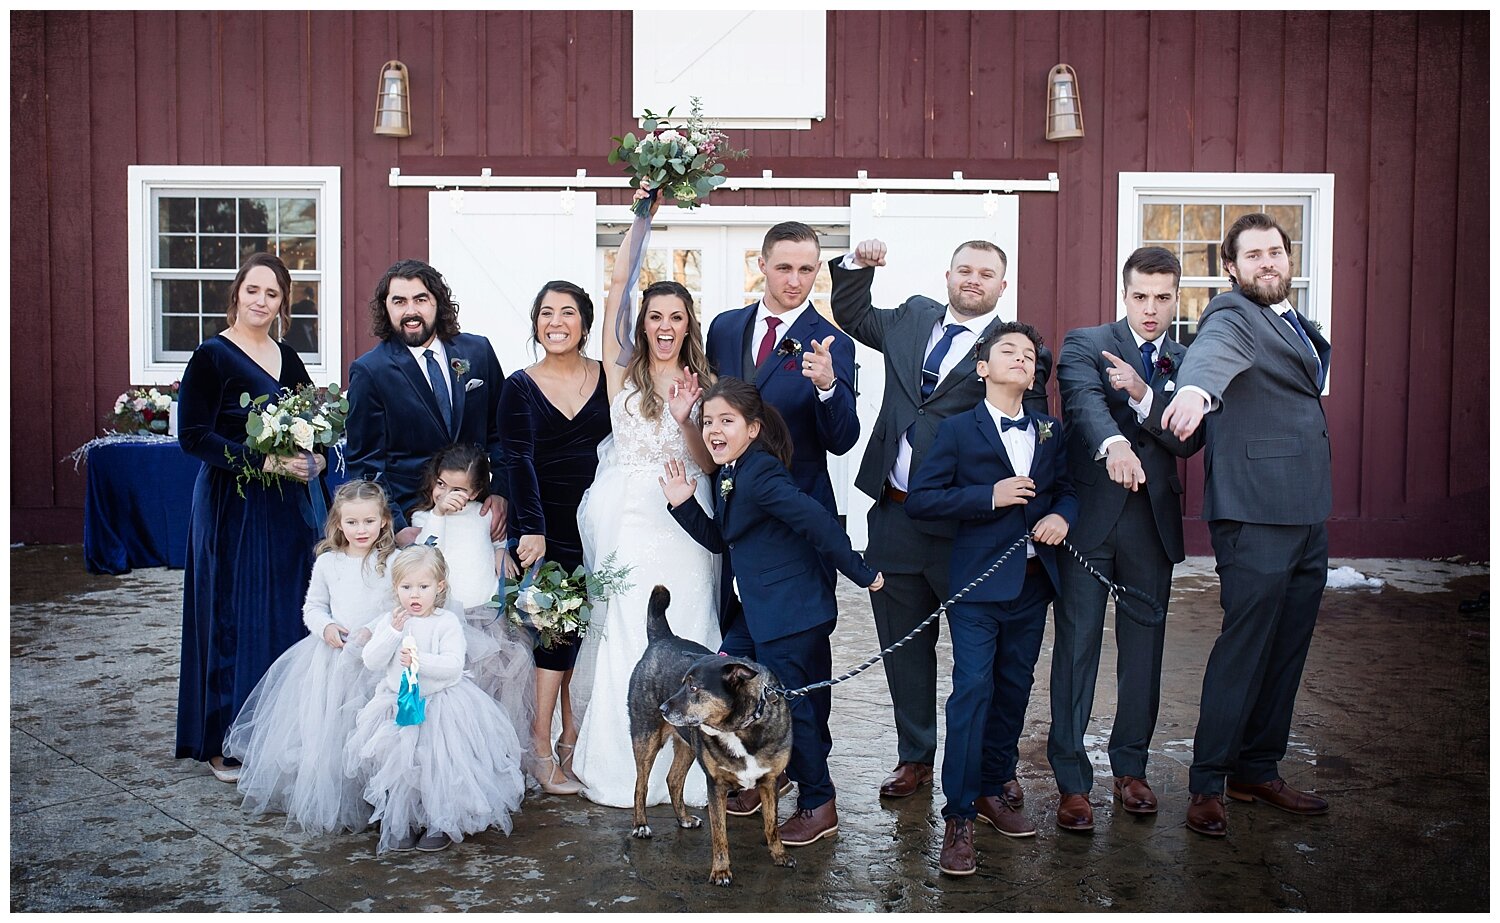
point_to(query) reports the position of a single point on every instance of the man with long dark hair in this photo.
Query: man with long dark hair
(426, 385)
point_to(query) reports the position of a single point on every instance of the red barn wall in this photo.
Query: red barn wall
(1394, 104)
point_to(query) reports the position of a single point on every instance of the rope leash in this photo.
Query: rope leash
(1117, 591)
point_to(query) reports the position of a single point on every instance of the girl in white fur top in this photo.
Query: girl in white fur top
(456, 772)
(290, 734)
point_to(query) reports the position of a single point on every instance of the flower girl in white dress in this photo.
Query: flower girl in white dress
(435, 753)
(290, 734)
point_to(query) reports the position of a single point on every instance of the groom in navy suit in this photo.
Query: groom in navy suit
(1001, 472)
(424, 387)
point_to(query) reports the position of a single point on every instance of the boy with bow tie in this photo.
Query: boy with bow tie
(1000, 472)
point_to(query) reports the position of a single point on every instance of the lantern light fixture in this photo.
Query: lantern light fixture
(393, 101)
(1064, 111)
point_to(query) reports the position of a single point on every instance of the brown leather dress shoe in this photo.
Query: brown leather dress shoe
(1205, 814)
(1136, 797)
(1278, 794)
(1011, 794)
(808, 826)
(746, 801)
(957, 858)
(998, 813)
(1075, 813)
(905, 779)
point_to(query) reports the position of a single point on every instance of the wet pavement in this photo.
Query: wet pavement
(1392, 726)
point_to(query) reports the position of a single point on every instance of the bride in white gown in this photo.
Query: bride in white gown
(652, 411)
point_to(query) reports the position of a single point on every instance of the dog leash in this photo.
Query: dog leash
(1117, 591)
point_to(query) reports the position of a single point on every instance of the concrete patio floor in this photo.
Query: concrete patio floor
(1392, 726)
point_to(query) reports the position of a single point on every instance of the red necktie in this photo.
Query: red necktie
(768, 341)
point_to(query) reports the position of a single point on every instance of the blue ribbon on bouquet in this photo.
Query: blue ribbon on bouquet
(640, 234)
(319, 510)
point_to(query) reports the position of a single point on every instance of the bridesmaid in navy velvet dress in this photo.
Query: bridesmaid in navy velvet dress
(553, 416)
(249, 559)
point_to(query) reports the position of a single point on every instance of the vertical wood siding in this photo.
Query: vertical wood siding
(1396, 105)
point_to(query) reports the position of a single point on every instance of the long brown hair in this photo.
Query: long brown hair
(283, 280)
(333, 536)
(746, 400)
(691, 353)
(460, 456)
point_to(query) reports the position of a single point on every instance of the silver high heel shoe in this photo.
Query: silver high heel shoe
(546, 771)
(565, 760)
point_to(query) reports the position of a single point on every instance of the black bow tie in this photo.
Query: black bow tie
(1007, 423)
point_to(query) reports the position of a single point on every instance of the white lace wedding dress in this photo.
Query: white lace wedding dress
(625, 512)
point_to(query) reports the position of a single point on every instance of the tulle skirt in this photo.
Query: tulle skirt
(291, 733)
(458, 772)
(499, 660)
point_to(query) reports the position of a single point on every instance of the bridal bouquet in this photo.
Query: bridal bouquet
(553, 603)
(143, 410)
(295, 422)
(685, 160)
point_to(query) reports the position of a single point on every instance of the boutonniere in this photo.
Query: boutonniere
(1315, 325)
(459, 366)
(788, 347)
(725, 486)
(1165, 365)
(1043, 431)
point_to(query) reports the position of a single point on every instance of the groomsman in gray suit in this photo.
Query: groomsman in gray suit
(929, 376)
(1254, 378)
(1116, 380)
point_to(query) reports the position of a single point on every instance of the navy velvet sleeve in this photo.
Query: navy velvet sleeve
(205, 382)
(518, 452)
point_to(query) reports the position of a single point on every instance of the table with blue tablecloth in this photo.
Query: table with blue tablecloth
(136, 501)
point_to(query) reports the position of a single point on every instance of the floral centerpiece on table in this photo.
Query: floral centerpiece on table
(295, 422)
(553, 603)
(143, 410)
(685, 160)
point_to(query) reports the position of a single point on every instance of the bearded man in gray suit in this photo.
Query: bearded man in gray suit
(929, 376)
(1254, 377)
(1116, 380)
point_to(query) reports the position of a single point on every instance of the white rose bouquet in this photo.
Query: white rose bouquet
(685, 161)
(293, 423)
(553, 603)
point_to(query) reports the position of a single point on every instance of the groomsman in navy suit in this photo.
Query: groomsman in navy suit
(425, 386)
(1001, 473)
(1116, 380)
(804, 367)
(802, 364)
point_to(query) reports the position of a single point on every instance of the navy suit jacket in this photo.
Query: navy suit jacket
(817, 427)
(956, 482)
(778, 538)
(394, 426)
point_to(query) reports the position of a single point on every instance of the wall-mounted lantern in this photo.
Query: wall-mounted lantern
(1064, 112)
(393, 101)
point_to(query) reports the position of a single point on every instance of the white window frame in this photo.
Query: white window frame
(1316, 188)
(145, 181)
(732, 96)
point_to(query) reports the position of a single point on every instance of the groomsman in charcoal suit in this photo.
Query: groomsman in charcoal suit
(804, 367)
(1115, 381)
(1001, 473)
(1254, 379)
(423, 387)
(929, 376)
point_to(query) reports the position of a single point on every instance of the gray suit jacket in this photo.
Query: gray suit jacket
(1094, 410)
(1268, 458)
(901, 334)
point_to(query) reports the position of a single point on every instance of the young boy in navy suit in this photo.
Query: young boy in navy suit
(781, 542)
(1002, 473)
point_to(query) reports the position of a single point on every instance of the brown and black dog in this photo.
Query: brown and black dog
(719, 709)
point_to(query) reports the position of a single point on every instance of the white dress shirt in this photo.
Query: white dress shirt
(787, 318)
(438, 353)
(1020, 445)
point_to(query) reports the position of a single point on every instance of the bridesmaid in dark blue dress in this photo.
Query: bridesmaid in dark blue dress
(248, 559)
(553, 416)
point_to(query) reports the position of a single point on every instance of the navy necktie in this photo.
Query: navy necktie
(1147, 351)
(440, 389)
(934, 363)
(1290, 316)
(1023, 423)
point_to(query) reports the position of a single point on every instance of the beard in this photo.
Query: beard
(420, 337)
(1267, 293)
(970, 304)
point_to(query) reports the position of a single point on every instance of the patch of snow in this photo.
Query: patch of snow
(1347, 578)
